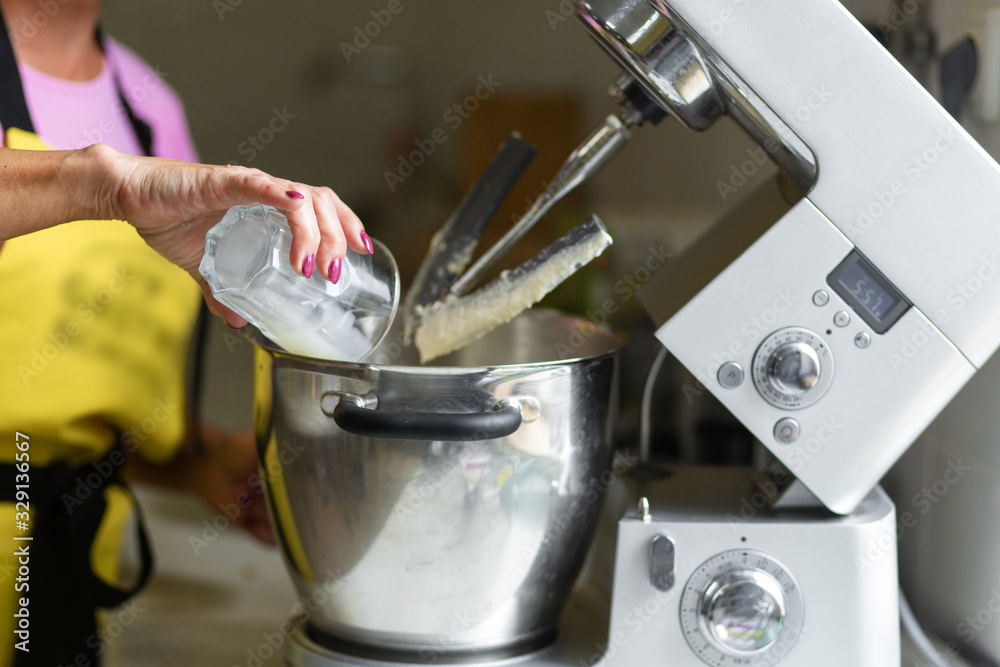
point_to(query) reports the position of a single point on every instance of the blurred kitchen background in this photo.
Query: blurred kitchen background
(299, 90)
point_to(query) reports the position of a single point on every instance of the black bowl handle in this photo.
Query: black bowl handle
(499, 423)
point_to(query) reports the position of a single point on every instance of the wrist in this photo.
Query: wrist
(99, 171)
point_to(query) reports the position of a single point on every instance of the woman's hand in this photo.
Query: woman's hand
(225, 476)
(173, 204)
(218, 466)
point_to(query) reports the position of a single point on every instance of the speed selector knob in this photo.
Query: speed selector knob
(793, 368)
(743, 611)
(742, 608)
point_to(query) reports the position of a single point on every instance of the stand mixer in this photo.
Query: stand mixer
(835, 327)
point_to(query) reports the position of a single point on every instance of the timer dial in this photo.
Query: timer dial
(793, 368)
(741, 608)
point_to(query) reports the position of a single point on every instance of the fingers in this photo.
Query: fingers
(354, 231)
(260, 528)
(333, 243)
(322, 230)
(231, 318)
(255, 520)
(305, 232)
(322, 225)
(239, 185)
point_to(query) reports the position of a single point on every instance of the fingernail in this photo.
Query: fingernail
(295, 195)
(334, 272)
(308, 265)
(367, 240)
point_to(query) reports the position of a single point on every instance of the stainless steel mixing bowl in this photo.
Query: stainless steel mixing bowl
(432, 512)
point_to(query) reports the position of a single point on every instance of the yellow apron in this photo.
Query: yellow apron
(94, 330)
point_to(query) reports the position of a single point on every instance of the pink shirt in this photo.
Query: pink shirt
(75, 114)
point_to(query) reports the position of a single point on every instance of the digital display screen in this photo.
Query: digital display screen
(868, 293)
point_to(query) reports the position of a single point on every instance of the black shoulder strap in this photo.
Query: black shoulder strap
(143, 132)
(13, 107)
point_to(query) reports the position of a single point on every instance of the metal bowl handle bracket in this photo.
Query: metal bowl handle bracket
(352, 416)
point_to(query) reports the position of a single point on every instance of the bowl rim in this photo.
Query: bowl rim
(617, 338)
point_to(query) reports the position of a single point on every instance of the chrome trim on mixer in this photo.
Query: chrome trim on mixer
(685, 77)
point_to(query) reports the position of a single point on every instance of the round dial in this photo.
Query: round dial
(792, 368)
(741, 608)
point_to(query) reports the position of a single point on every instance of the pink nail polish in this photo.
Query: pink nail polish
(367, 240)
(335, 268)
(308, 265)
(295, 195)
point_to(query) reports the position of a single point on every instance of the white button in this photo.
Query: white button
(842, 318)
(863, 339)
(786, 431)
(821, 297)
(731, 375)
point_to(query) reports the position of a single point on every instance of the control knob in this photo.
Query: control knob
(793, 368)
(741, 608)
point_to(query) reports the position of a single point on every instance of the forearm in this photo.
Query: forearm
(175, 474)
(42, 189)
(222, 471)
(186, 470)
